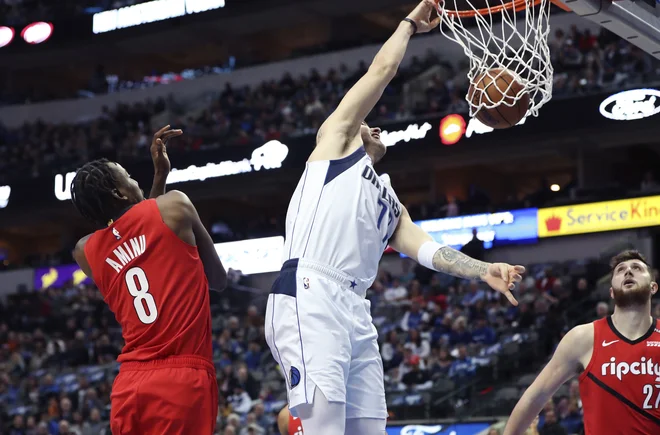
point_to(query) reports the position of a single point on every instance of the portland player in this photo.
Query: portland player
(153, 261)
(619, 357)
(340, 219)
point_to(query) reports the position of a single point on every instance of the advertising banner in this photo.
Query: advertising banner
(439, 429)
(502, 228)
(599, 216)
(252, 256)
(46, 277)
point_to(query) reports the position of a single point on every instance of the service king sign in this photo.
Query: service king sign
(631, 105)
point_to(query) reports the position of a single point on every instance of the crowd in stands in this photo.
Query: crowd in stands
(293, 106)
(437, 334)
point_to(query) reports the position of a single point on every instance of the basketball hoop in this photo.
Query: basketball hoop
(512, 43)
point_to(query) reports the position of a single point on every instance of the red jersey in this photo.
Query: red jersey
(155, 285)
(620, 388)
(295, 426)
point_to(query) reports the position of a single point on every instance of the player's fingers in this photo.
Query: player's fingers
(162, 130)
(435, 23)
(511, 299)
(519, 269)
(516, 278)
(504, 272)
(171, 133)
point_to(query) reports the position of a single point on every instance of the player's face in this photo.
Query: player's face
(372, 144)
(632, 284)
(129, 189)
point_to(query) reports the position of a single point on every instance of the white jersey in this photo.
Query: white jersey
(342, 215)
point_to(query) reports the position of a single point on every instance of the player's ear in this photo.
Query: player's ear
(612, 292)
(118, 195)
(654, 287)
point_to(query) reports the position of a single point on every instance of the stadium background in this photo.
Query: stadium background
(250, 81)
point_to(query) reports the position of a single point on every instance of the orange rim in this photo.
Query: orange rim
(517, 5)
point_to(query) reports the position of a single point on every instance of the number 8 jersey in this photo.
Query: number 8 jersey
(155, 285)
(620, 388)
(341, 215)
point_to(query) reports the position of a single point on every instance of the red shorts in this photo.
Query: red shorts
(177, 395)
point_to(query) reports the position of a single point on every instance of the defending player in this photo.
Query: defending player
(153, 261)
(339, 221)
(620, 356)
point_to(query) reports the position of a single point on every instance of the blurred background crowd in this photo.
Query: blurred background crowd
(447, 345)
(452, 349)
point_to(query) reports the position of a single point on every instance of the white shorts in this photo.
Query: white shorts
(321, 334)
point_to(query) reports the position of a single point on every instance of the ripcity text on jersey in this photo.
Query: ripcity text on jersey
(341, 215)
(155, 285)
(620, 388)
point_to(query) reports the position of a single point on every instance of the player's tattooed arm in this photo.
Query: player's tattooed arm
(453, 262)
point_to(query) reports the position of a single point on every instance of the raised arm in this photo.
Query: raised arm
(414, 242)
(161, 160)
(573, 353)
(343, 125)
(179, 213)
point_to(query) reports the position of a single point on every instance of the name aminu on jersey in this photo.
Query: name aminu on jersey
(369, 175)
(127, 252)
(643, 367)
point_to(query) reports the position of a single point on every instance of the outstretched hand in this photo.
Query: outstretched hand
(503, 278)
(159, 150)
(422, 14)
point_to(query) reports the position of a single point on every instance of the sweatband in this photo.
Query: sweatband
(426, 253)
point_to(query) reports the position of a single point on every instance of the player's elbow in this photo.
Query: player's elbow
(218, 281)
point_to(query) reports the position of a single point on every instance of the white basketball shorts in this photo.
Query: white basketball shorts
(319, 330)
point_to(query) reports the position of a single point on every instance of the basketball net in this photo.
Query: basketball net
(518, 43)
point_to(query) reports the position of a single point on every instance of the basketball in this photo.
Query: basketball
(499, 87)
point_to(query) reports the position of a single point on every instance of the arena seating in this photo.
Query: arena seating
(295, 106)
(450, 348)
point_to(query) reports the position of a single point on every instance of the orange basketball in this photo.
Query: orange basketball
(499, 87)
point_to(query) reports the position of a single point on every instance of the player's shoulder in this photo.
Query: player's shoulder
(581, 335)
(80, 245)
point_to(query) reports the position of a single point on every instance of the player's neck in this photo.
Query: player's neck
(632, 322)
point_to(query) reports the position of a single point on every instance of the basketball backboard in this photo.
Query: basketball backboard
(638, 22)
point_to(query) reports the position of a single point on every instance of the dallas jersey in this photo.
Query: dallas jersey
(341, 215)
(338, 223)
(620, 388)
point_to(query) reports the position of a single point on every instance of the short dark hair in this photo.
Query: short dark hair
(629, 254)
(92, 192)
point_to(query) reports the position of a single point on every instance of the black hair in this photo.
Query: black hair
(93, 192)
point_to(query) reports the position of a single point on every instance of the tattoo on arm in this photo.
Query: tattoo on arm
(455, 263)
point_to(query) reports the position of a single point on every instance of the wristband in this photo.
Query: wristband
(414, 24)
(426, 253)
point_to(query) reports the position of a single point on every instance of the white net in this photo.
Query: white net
(504, 39)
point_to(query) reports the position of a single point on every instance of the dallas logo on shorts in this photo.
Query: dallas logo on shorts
(295, 377)
(643, 367)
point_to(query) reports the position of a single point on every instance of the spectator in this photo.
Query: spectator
(474, 248)
(414, 318)
(459, 333)
(551, 426)
(483, 334)
(417, 378)
(463, 367)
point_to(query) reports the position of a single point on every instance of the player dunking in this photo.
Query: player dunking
(153, 261)
(619, 356)
(340, 219)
